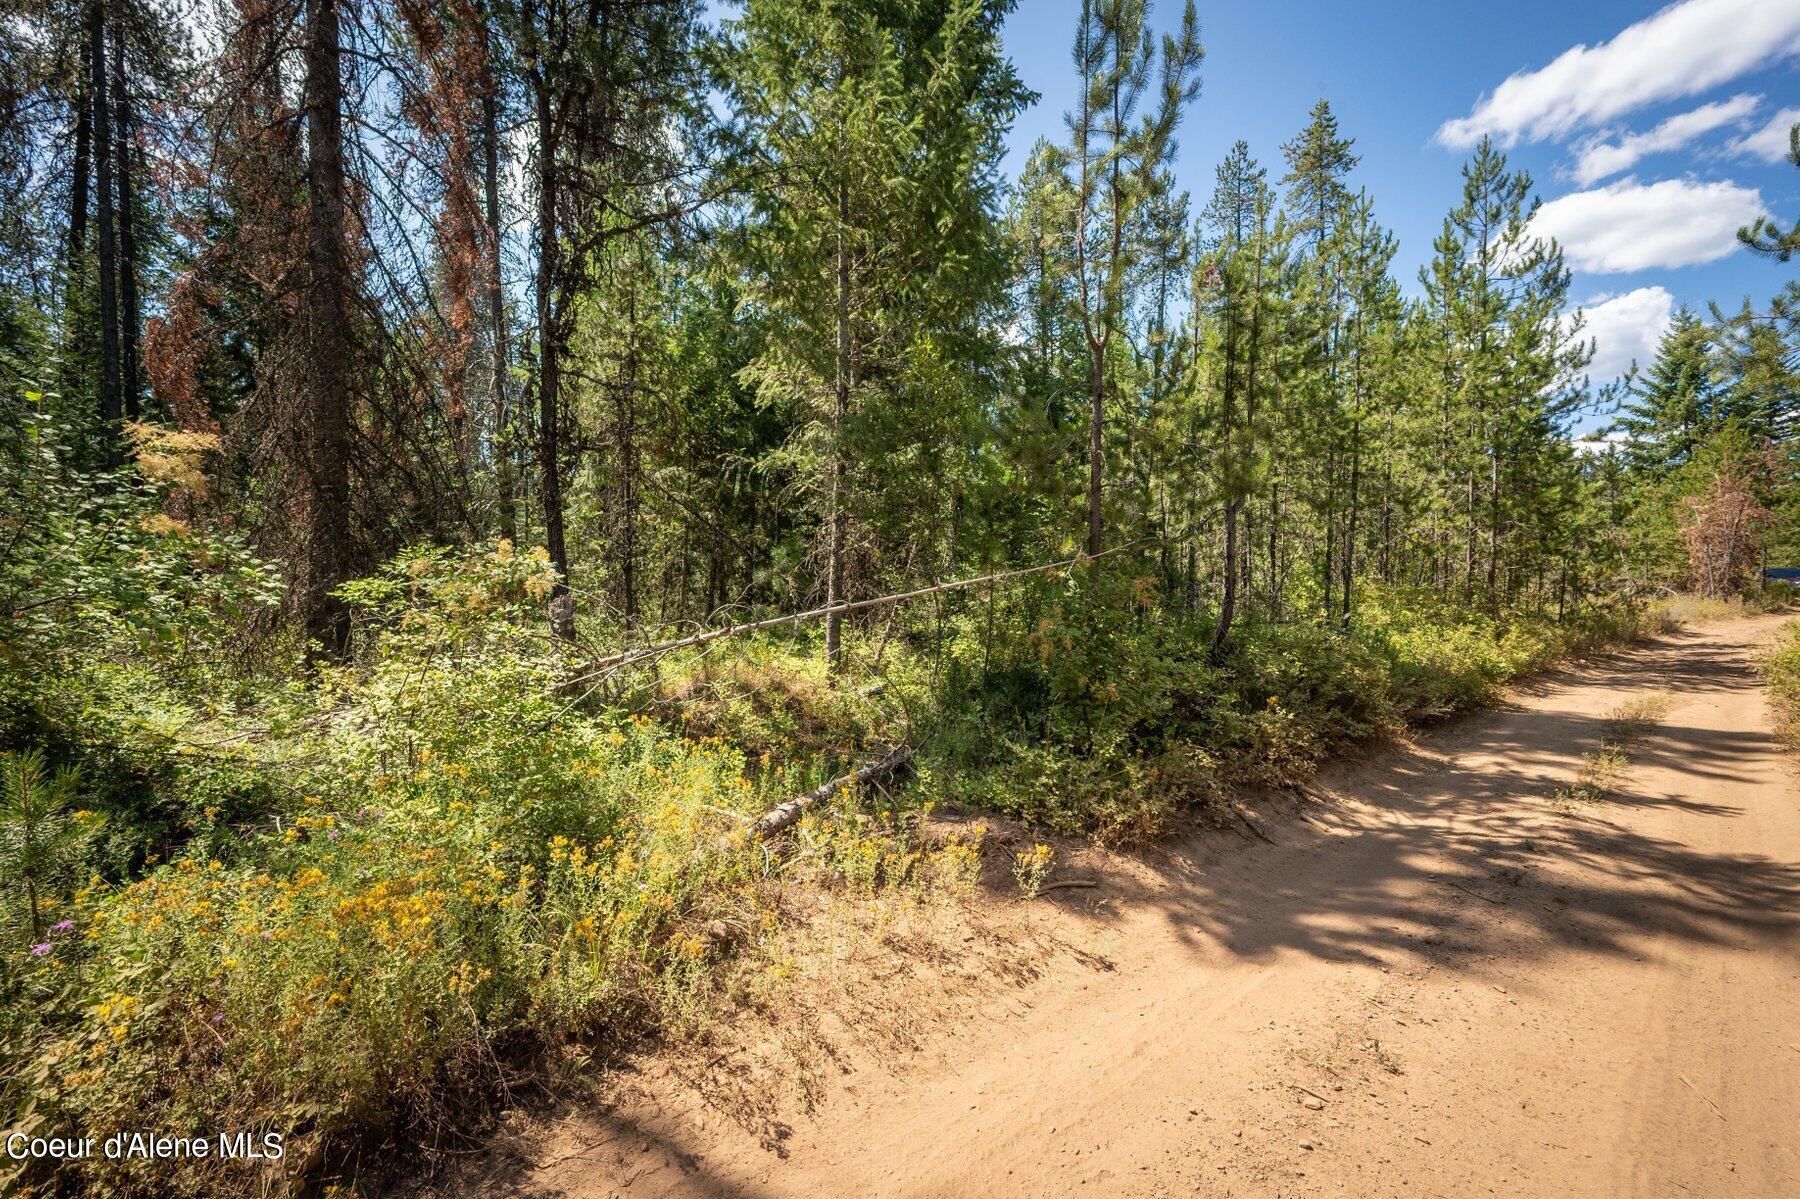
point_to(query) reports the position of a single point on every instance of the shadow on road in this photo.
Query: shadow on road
(1424, 847)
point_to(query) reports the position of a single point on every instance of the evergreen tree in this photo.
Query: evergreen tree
(1508, 362)
(1239, 297)
(1674, 406)
(1116, 163)
(872, 130)
(1367, 346)
(1318, 197)
(1759, 363)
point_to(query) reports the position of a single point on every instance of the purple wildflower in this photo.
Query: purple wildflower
(62, 926)
(41, 949)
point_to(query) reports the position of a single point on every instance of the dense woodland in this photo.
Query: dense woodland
(382, 382)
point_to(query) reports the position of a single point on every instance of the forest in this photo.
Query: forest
(459, 458)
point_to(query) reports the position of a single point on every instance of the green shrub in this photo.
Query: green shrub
(1781, 669)
(465, 860)
(1096, 708)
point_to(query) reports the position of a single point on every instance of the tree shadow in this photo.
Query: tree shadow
(1447, 852)
(1460, 848)
(615, 1151)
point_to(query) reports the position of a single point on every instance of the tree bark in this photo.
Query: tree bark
(1227, 479)
(834, 563)
(1275, 549)
(1349, 557)
(82, 167)
(111, 406)
(327, 424)
(1493, 563)
(124, 130)
(628, 465)
(549, 386)
(1096, 447)
(503, 448)
(79, 202)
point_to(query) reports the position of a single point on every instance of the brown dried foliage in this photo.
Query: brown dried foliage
(1724, 532)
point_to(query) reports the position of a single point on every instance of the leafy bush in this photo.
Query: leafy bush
(120, 629)
(463, 867)
(1097, 709)
(766, 698)
(1781, 668)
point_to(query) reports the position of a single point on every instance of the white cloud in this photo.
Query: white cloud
(1630, 226)
(1683, 50)
(1598, 158)
(1625, 328)
(1770, 143)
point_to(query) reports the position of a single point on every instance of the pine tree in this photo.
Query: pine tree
(1674, 406)
(1367, 347)
(1508, 361)
(1759, 365)
(1319, 161)
(870, 248)
(1239, 294)
(1116, 163)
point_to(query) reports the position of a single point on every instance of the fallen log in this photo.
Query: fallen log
(783, 815)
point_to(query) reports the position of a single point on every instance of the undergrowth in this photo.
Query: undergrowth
(1781, 669)
(357, 904)
(363, 912)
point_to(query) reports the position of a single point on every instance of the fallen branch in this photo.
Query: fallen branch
(1067, 882)
(785, 814)
(630, 657)
(1238, 810)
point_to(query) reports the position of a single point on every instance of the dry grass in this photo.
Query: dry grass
(1679, 611)
(1625, 726)
(1781, 669)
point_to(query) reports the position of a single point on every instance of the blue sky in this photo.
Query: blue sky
(1648, 147)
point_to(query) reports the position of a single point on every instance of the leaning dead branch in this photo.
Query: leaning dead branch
(783, 815)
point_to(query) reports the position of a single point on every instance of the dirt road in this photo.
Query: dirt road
(1442, 980)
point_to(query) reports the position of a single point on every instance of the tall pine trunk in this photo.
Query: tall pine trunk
(834, 553)
(1274, 579)
(1227, 453)
(1096, 447)
(111, 404)
(129, 315)
(1493, 563)
(503, 449)
(1349, 556)
(82, 168)
(628, 465)
(79, 202)
(327, 424)
(549, 383)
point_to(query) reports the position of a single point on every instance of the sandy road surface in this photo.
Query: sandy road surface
(1440, 981)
